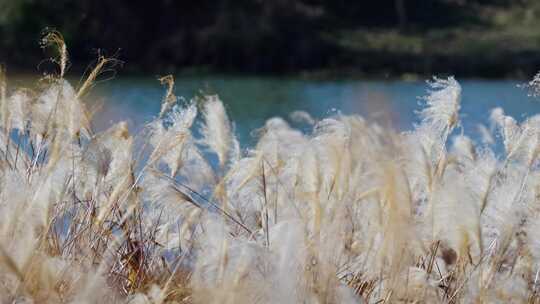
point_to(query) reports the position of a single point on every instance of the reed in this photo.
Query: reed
(349, 212)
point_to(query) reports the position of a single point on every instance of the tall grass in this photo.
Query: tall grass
(350, 212)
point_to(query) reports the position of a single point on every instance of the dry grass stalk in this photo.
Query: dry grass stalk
(351, 212)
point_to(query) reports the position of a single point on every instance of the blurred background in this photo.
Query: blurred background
(271, 57)
(387, 38)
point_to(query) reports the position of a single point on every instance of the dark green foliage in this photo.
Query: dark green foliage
(256, 36)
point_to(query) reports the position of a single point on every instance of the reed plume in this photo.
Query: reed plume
(348, 212)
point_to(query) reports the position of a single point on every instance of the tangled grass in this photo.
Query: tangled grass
(351, 212)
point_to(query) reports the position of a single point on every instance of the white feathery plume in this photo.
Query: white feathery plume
(287, 240)
(457, 216)
(216, 129)
(59, 109)
(507, 206)
(162, 192)
(440, 116)
(309, 175)
(171, 141)
(302, 117)
(116, 145)
(485, 135)
(195, 171)
(442, 105)
(508, 127)
(533, 237)
(20, 105)
(530, 139)
(481, 176)
(278, 141)
(463, 146)
(332, 143)
(419, 167)
(175, 147)
(241, 187)
(519, 140)
(78, 123)
(236, 151)
(42, 109)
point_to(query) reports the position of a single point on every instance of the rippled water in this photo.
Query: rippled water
(250, 101)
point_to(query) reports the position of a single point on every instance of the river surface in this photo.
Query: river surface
(250, 101)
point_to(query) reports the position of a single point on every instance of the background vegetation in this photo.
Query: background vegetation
(391, 37)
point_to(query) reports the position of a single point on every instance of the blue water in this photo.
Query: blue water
(250, 101)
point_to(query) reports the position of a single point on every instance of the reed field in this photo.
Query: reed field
(350, 212)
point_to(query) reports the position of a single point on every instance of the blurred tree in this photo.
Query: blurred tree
(226, 35)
